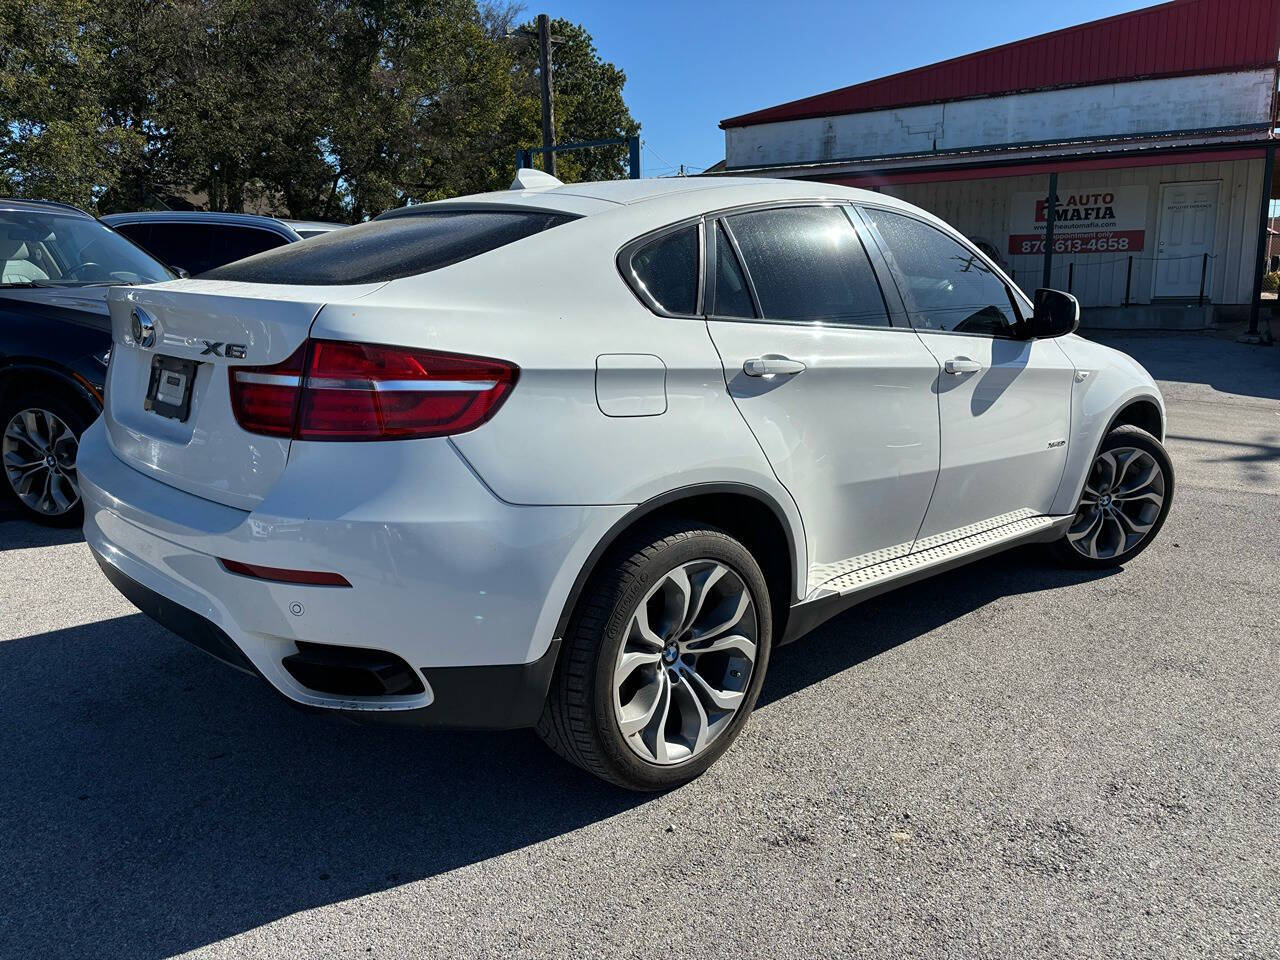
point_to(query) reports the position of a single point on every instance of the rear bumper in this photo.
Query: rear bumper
(463, 588)
(502, 697)
(190, 626)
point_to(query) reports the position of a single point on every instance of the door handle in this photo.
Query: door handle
(959, 365)
(772, 364)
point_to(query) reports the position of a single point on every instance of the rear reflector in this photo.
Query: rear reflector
(337, 390)
(281, 575)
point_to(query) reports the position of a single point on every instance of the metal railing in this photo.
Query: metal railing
(1069, 274)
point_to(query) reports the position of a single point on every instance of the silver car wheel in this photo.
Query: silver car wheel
(39, 454)
(685, 662)
(1122, 500)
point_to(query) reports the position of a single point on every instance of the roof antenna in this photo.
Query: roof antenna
(527, 178)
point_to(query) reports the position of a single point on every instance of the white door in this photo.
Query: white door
(841, 402)
(1004, 401)
(1006, 421)
(1188, 215)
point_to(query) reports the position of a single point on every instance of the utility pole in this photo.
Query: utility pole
(548, 109)
(1051, 209)
(1260, 260)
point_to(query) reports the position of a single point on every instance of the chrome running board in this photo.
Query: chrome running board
(939, 553)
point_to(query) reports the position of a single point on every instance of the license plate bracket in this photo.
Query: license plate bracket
(169, 393)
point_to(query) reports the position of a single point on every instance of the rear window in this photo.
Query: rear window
(380, 250)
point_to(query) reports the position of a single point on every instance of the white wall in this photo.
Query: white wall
(981, 208)
(1084, 113)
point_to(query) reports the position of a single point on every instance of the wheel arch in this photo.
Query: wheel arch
(1141, 408)
(14, 375)
(1143, 412)
(746, 512)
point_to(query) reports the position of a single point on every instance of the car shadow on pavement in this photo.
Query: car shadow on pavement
(17, 534)
(155, 801)
(891, 619)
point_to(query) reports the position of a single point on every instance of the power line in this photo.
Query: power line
(666, 165)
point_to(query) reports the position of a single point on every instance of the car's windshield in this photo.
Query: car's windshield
(39, 248)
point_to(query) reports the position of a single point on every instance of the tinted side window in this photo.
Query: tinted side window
(231, 243)
(732, 298)
(139, 233)
(948, 287)
(184, 245)
(667, 269)
(807, 263)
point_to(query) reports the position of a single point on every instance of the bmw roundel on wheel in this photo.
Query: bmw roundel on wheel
(579, 458)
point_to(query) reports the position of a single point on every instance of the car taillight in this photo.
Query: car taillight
(265, 399)
(336, 390)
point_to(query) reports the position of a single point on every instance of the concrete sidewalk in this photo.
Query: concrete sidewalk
(1223, 401)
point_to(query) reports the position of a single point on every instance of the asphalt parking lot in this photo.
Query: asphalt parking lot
(1008, 761)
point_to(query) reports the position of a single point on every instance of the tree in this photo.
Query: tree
(56, 139)
(231, 95)
(314, 108)
(424, 87)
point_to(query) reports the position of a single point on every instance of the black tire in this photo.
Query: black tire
(579, 721)
(73, 412)
(1120, 438)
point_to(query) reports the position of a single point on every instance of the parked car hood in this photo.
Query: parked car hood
(84, 305)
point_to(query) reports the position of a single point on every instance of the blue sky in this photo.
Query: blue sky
(689, 64)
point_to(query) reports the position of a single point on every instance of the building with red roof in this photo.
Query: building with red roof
(1157, 125)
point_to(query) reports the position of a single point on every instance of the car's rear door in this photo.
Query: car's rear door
(1004, 400)
(841, 401)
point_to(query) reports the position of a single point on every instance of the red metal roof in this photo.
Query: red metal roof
(1185, 36)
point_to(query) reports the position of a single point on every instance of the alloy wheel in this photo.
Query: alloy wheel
(1121, 504)
(686, 662)
(39, 455)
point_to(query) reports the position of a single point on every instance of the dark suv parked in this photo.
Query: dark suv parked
(56, 265)
(196, 241)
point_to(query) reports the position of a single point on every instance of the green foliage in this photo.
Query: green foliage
(56, 140)
(1271, 282)
(332, 109)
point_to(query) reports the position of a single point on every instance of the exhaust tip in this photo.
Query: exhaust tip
(351, 671)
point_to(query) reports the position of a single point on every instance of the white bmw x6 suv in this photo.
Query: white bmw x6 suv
(579, 457)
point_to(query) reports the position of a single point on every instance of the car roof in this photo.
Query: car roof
(585, 199)
(588, 199)
(636, 191)
(12, 205)
(199, 216)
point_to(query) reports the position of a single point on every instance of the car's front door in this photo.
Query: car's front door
(1004, 400)
(841, 401)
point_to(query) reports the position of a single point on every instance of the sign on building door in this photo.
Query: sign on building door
(1088, 220)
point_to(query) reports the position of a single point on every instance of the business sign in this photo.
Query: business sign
(1087, 220)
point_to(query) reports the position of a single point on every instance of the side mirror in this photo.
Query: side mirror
(1057, 314)
(182, 272)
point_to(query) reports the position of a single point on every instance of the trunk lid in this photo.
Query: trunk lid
(207, 453)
